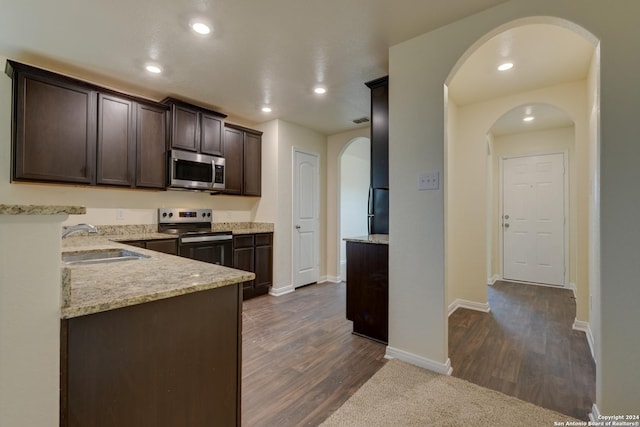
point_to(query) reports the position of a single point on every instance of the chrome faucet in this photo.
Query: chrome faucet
(77, 228)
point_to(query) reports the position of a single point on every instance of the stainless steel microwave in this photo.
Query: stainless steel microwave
(195, 171)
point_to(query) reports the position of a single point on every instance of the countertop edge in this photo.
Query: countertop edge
(374, 239)
(77, 311)
(41, 210)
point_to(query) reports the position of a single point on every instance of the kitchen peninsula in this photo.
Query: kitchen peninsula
(149, 341)
(368, 285)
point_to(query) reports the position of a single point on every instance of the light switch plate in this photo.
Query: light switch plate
(428, 181)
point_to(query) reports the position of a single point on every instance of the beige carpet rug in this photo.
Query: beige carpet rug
(401, 395)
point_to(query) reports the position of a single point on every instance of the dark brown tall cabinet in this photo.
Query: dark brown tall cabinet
(379, 132)
(69, 131)
(243, 157)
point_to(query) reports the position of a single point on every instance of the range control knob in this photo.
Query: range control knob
(170, 214)
(164, 215)
(209, 214)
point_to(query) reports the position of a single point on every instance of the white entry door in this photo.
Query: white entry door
(533, 219)
(306, 223)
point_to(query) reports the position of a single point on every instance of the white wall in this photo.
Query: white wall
(30, 298)
(467, 189)
(355, 176)
(283, 137)
(418, 69)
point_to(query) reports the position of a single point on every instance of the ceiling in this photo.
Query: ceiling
(543, 55)
(259, 52)
(274, 53)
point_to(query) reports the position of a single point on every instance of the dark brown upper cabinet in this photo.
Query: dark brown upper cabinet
(194, 128)
(243, 160)
(151, 142)
(53, 128)
(116, 141)
(379, 132)
(70, 131)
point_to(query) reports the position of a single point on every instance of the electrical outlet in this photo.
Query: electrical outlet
(119, 214)
(428, 181)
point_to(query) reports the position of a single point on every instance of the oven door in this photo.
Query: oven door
(211, 248)
(191, 170)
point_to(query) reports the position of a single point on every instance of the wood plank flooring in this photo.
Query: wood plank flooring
(526, 348)
(300, 360)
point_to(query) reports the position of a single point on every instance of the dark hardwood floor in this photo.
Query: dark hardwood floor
(300, 360)
(525, 347)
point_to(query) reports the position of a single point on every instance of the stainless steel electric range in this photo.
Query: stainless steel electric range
(196, 240)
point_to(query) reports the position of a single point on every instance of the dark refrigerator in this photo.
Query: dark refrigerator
(378, 211)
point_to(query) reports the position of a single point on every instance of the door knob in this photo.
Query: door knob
(297, 227)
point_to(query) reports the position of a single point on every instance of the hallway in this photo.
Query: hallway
(525, 347)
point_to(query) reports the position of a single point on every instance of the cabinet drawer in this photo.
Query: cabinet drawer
(265, 239)
(243, 241)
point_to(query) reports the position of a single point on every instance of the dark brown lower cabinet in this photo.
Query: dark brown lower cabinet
(368, 289)
(254, 252)
(165, 363)
(167, 246)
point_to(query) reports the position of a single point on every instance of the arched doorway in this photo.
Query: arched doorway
(354, 170)
(480, 90)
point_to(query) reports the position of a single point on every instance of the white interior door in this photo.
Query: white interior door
(306, 201)
(533, 219)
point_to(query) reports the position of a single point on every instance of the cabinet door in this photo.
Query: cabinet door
(151, 136)
(368, 289)
(380, 135)
(233, 152)
(116, 141)
(264, 260)
(184, 128)
(211, 134)
(55, 131)
(252, 164)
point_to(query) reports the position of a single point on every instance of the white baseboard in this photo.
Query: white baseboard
(493, 279)
(332, 279)
(573, 288)
(594, 415)
(423, 362)
(472, 305)
(276, 292)
(579, 325)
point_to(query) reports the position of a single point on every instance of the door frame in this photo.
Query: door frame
(567, 213)
(295, 150)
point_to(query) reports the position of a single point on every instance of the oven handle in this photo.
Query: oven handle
(198, 239)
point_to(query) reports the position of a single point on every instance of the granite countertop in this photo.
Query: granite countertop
(378, 239)
(41, 210)
(92, 288)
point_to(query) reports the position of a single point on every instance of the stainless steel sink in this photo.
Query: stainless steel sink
(100, 256)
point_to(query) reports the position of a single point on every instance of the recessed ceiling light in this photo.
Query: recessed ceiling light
(506, 66)
(153, 69)
(266, 109)
(320, 90)
(528, 119)
(201, 28)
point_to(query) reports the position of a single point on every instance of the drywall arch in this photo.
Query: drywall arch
(468, 137)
